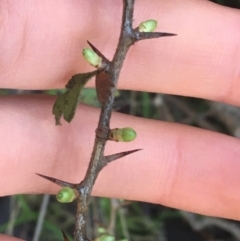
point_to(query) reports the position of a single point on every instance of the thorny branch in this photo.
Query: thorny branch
(113, 71)
(106, 83)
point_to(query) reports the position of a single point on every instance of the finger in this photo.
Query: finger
(8, 238)
(201, 61)
(182, 167)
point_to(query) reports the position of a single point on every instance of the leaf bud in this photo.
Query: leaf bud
(91, 57)
(126, 134)
(105, 238)
(101, 230)
(66, 195)
(147, 26)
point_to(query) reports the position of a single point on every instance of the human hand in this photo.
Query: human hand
(181, 166)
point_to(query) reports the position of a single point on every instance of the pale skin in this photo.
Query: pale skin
(181, 166)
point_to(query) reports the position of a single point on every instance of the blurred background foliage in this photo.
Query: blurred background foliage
(40, 217)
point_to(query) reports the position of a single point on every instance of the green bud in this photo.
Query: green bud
(105, 238)
(101, 230)
(91, 57)
(147, 26)
(126, 134)
(66, 195)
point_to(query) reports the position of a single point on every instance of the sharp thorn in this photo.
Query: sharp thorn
(119, 155)
(98, 52)
(166, 34)
(57, 181)
(151, 35)
(64, 236)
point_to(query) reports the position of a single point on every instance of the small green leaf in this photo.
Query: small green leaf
(147, 26)
(66, 104)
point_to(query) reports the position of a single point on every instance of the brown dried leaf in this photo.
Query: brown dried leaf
(103, 86)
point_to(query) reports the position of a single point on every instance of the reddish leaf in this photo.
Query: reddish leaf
(103, 86)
